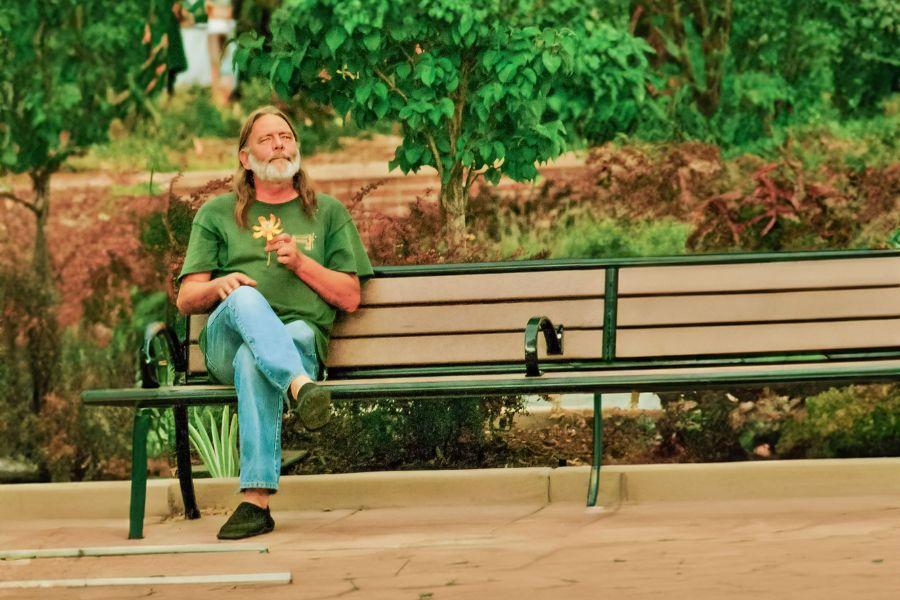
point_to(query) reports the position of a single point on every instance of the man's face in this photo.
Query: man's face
(271, 151)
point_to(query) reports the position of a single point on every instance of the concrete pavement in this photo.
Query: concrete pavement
(803, 529)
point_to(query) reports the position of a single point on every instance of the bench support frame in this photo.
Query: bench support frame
(138, 473)
(594, 482)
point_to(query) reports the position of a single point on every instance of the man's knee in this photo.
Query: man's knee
(303, 335)
(247, 298)
(243, 360)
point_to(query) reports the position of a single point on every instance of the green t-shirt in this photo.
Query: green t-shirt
(219, 246)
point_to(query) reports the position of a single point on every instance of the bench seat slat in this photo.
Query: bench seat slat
(582, 380)
(771, 306)
(695, 372)
(768, 338)
(811, 274)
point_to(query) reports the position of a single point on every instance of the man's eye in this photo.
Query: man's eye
(265, 139)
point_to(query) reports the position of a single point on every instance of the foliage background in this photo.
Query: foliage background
(709, 125)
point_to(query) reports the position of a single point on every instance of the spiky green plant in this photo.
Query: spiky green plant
(216, 443)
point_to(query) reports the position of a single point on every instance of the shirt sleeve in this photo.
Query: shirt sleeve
(203, 250)
(344, 251)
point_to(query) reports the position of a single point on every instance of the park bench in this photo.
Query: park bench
(558, 326)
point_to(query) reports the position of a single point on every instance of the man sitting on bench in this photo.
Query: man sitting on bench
(269, 333)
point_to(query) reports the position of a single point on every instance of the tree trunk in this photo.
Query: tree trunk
(43, 333)
(454, 199)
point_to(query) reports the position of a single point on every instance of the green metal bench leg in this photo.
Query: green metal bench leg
(138, 473)
(594, 484)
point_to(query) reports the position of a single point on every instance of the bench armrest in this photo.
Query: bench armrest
(149, 361)
(553, 336)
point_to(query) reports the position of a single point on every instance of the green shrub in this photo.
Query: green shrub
(758, 422)
(608, 238)
(856, 421)
(406, 434)
(697, 427)
(630, 436)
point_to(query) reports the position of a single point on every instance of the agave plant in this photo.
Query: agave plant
(216, 443)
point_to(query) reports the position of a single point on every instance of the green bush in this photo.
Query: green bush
(852, 144)
(629, 436)
(697, 427)
(856, 421)
(608, 238)
(406, 434)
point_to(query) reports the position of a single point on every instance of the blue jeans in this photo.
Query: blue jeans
(248, 346)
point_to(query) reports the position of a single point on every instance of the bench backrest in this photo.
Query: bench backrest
(692, 307)
(768, 307)
(474, 318)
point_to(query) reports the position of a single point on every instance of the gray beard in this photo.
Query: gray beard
(274, 171)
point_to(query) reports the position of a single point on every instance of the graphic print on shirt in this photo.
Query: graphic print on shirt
(305, 241)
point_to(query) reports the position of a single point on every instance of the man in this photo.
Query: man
(271, 319)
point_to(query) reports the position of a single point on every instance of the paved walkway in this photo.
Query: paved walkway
(817, 548)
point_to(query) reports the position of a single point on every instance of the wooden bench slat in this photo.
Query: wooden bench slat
(443, 349)
(771, 306)
(179, 394)
(449, 289)
(459, 348)
(687, 371)
(770, 338)
(197, 323)
(699, 373)
(811, 274)
(467, 317)
(486, 286)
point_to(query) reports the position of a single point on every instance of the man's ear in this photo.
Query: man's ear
(243, 157)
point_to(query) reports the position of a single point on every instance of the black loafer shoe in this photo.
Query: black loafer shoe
(247, 520)
(313, 406)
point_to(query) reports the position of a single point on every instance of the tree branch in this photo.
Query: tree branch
(17, 200)
(437, 157)
(434, 151)
(390, 84)
(471, 176)
(409, 58)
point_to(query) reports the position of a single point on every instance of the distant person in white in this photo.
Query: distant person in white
(220, 26)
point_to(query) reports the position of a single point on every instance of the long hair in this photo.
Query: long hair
(244, 188)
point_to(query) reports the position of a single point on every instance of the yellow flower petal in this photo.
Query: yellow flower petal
(268, 228)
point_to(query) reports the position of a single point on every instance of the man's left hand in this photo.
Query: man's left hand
(287, 251)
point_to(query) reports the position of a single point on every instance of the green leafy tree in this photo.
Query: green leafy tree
(67, 69)
(741, 72)
(693, 37)
(479, 88)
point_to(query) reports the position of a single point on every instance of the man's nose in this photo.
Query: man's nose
(278, 143)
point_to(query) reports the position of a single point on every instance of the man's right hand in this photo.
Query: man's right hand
(199, 292)
(228, 283)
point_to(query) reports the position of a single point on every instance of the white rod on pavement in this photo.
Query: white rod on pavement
(129, 550)
(270, 578)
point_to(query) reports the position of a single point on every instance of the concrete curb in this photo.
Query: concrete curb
(527, 486)
(777, 479)
(81, 500)
(386, 490)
